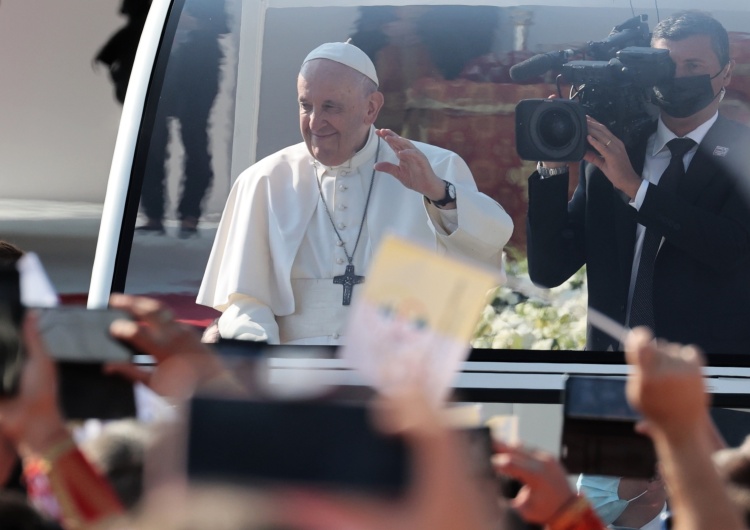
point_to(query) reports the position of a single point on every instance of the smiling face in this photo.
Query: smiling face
(337, 106)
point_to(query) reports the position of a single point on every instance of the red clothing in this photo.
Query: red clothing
(64, 485)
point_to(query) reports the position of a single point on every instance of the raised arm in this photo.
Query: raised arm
(32, 421)
(666, 385)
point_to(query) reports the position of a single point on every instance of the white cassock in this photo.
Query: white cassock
(275, 254)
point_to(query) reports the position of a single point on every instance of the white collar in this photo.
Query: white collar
(664, 135)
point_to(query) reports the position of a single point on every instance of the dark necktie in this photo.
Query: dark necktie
(642, 304)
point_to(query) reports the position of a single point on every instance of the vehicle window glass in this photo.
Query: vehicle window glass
(444, 71)
(183, 160)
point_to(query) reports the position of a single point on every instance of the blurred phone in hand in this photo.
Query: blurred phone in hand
(79, 334)
(327, 444)
(598, 435)
(78, 339)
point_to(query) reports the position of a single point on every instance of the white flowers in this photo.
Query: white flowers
(526, 317)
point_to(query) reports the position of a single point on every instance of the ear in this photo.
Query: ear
(374, 104)
(728, 75)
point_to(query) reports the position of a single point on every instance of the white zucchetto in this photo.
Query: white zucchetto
(346, 54)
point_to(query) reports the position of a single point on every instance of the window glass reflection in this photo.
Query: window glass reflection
(444, 71)
(186, 175)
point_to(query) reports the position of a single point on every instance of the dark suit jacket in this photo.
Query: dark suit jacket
(702, 271)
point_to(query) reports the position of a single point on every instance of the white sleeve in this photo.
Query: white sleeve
(479, 227)
(445, 221)
(248, 318)
(640, 195)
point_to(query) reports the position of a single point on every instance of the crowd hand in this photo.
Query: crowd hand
(611, 157)
(666, 386)
(183, 362)
(32, 420)
(443, 493)
(545, 491)
(413, 170)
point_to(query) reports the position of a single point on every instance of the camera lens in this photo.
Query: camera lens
(550, 129)
(556, 129)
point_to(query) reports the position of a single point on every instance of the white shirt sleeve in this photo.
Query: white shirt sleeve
(248, 318)
(640, 195)
(445, 221)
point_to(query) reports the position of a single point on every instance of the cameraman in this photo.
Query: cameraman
(626, 209)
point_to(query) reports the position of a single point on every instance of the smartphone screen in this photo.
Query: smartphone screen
(317, 443)
(11, 317)
(598, 398)
(598, 435)
(79, 334)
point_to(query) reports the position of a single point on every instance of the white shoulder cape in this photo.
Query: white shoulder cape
(272, 202)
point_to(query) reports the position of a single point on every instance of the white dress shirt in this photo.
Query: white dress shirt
(656, 162)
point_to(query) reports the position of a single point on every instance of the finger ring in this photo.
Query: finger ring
(609, 142)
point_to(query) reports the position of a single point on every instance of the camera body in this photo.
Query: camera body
(617, 93)
(614, 89)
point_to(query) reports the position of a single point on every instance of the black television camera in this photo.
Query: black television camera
(614, 88)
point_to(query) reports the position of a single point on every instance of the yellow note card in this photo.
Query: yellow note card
(414, 317)
(443, 293)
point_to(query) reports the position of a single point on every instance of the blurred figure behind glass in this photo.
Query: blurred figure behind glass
(118, 53)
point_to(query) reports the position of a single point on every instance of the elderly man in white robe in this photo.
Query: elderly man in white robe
(301, 225)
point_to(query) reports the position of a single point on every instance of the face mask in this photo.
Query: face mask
(681, 97)
(601, 492)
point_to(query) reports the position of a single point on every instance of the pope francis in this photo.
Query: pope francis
(300, 226)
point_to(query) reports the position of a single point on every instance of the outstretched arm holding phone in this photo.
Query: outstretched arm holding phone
(443, 494)
(666, 385)
(32, 421)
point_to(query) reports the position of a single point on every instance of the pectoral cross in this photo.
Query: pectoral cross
(348, 280)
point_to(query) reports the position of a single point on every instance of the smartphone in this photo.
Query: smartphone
(598, 435)
(79, 334)
(11, 318)
(79, 340)
(315, 443)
